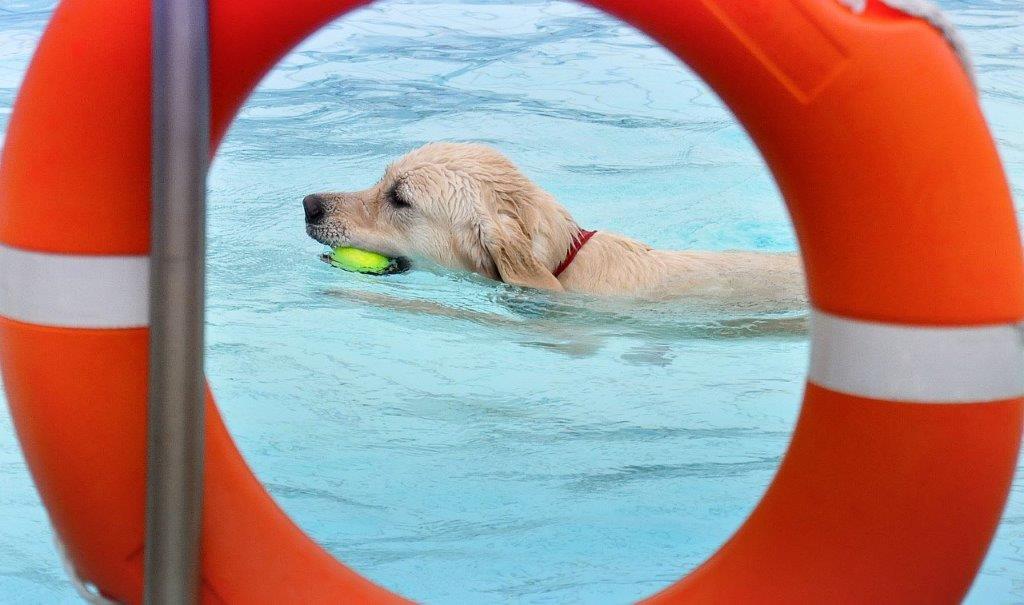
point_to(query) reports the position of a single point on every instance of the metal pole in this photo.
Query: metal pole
(180, 148)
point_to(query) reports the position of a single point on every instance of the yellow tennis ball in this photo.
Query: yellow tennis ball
(361, 261)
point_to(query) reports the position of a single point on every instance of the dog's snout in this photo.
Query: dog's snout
(313, 205)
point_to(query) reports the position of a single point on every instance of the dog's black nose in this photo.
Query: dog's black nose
(313, 204)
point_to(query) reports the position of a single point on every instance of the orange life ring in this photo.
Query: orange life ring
(905, 447)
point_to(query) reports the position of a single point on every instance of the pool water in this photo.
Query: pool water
(457, 440)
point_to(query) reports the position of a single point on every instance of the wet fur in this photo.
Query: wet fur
(466, 206)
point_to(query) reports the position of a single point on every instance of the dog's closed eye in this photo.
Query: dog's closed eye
(396, 199)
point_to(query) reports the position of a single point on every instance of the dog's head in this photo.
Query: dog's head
(461, 205)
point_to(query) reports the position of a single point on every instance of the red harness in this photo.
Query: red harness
(582, 237)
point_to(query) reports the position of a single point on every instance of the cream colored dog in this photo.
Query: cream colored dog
(466, 206)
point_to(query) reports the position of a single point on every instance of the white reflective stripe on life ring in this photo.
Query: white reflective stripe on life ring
(891, 362)
(74, 291)
(924, 364)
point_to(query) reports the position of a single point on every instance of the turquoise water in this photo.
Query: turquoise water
(457, 440)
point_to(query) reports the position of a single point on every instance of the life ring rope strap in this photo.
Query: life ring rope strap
(89, 593)
(934, 15)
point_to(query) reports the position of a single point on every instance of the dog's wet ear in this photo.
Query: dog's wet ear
(507, 241)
